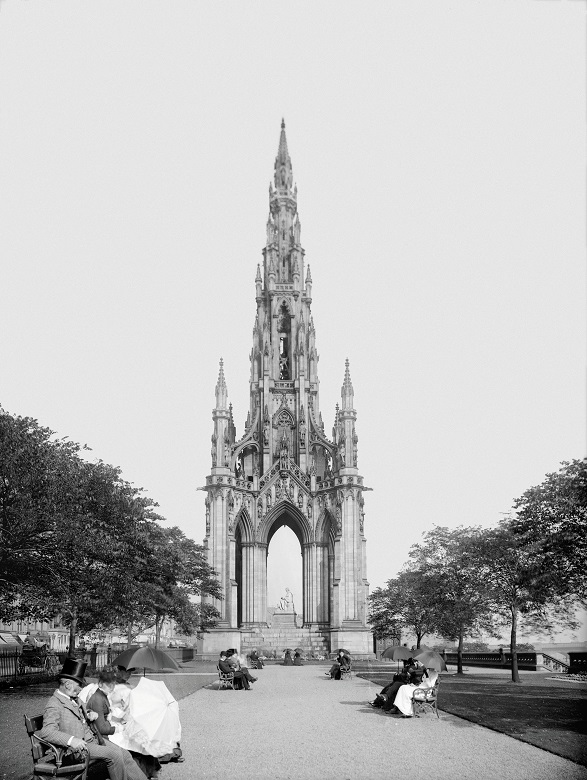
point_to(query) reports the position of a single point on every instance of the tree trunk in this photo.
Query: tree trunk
(158, 626)
(129, 636)
(460, 652)
(513, 643)
(72, 633)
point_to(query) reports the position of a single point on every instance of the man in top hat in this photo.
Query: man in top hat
(66, 723)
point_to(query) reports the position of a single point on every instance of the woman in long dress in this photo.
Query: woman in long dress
(403, 699)
(119, 717)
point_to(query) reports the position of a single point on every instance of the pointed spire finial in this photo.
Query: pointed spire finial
(347, 384)
(283, 173)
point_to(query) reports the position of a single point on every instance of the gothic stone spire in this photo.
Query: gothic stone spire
(283, 173)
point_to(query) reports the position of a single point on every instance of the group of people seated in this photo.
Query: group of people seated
(231, 663)
(295, 661)
(397, 697)
(92, 719)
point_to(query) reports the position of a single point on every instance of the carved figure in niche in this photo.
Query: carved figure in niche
(338, 518)
(259, 510)
(302, 435)
(309, 511)
(355, 442)
(283, 367)
(226, 449)
(300, 499)
(279, 489)
(328, 469)
(207, 516)
(213, 450)
(342, 451)
(268, 500)
(283, 452)
(238, 468)
(266, 427)
(313, 464)
(361, 521)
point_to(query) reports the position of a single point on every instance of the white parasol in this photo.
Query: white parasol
(153, 726)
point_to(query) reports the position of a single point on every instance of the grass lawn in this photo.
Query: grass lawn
(550, 714)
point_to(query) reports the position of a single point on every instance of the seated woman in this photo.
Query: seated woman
(403, 700)
(287, 659)
(148, 752)
(384, 699)
(297, 659)
(98, 702)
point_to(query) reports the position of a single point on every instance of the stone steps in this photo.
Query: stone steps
(276, 639)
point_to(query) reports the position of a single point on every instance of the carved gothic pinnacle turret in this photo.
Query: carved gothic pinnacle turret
(347, 392)
(221, 389)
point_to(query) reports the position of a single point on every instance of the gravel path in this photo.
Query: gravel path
(297, 724)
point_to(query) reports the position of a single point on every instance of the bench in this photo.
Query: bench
(50, 760)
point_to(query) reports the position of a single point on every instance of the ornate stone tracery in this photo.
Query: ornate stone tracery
(285, 470)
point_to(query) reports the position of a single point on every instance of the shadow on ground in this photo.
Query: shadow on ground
(549, 714)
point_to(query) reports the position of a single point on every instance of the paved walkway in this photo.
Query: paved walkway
(297, 724)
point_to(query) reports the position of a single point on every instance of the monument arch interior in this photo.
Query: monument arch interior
(284, 470)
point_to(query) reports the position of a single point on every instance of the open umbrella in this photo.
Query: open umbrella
(145, 658)
(342, 650)
(153, 726)
(397, 653)
(431, 660)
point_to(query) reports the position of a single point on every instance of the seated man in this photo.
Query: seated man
(228, 664)
(67, 723)
(411, 673)
(256, 658)
(341, 661)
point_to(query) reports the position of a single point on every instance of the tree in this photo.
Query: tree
(35, 489)
(460, 602)
(518, 586)
(78, 541)
(403, 603)
(173, 571)
(551, 518)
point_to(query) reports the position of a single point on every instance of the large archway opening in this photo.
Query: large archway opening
(284, 568)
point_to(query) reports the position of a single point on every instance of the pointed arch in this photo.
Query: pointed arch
(244, 526)
(284, 513)
(325, 528)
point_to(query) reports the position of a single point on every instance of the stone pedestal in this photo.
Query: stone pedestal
(358, 641)
(215, 640)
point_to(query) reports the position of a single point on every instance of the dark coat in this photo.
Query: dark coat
(98, 702)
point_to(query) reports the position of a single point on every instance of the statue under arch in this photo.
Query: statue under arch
(284, 470)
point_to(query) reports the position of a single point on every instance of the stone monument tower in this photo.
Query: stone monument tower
(284, 470)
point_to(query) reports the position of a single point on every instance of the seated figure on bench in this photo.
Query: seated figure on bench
(67, 723)
(228, 664)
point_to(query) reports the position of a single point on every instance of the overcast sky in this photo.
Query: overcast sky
(439, 153)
